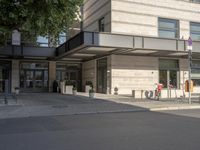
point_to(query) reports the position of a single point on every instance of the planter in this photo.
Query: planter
(68, 89)
(74, 92)
(17, 91)
(91, 95)
(87, 88)
(116, 91)
(62, 87)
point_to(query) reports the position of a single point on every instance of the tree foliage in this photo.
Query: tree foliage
(37, 17)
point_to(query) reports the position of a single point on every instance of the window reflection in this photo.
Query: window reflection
(196, 72)
(195, 30)
(34, 75)
(71, 72)
(168, 74)
(168, 28)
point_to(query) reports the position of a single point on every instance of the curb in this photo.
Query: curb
(174, 108)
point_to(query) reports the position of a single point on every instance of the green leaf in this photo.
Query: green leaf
(37, 17)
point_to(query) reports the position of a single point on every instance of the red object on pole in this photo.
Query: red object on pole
(160, 87)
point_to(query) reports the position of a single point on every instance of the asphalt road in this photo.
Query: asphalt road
(108, 131)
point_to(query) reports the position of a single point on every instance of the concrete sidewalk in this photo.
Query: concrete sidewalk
(151, 105)
(49, 104)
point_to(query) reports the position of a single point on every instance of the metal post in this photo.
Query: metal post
(189, 84)
(190, 66)
(6, 91)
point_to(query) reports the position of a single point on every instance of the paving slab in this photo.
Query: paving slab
(50, 104)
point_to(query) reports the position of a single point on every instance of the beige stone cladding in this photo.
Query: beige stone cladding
(52, 74)
(141, 74)
(134, 73)
(140, 17)
(89, 73)
(93, 10)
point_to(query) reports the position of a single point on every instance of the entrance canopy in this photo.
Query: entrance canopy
(90, 45)
(27, 52)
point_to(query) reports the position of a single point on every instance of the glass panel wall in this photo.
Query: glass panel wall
(196, 1)
(102, 25)
(34, 76)
(195, 30)
(169, 73)
(45, 41)
(163, 77)
(5, 70)
(195, 75)
(71, 72)
(102, 75)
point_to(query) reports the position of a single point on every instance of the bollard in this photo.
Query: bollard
(6, 92)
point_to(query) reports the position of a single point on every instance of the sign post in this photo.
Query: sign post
(190, 66)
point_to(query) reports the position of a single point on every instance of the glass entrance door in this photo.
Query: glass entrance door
(70, 72)
(29, 79)
(39, 79)
(4, 75)
(34, 77)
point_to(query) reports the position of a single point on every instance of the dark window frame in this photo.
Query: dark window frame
(169, 70)
(176, 30)
(195, 1)
(101, 24)
(195, 74)
(194, 31)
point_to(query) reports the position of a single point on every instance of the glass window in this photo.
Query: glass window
(34, 65)
(195, 75)
(168, 28)
(169, 64)
(42, 41)
(102, 25)
(195, 31)
(102, 75)
(70, 72)
(196, 1)
(167, 34)
(173, 78)
(196, 63)
(196, 82)
(34, 76)
(168, 74)
(62, 38)
(163, 77)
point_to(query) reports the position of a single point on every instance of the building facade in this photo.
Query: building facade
(129, 45)
(160, 20)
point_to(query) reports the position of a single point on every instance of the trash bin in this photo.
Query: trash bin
(55, 86)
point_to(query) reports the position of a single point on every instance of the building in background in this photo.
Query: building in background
(131, 45)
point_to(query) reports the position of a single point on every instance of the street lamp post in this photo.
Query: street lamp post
(190, 67)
